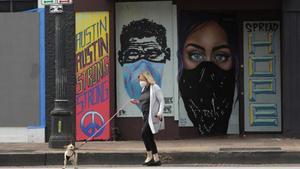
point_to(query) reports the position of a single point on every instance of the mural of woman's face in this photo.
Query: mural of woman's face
(208, 78)
(207, 42)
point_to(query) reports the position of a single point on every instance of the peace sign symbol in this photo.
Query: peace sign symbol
(93, 125)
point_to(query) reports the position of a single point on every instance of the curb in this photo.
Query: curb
(97, 158)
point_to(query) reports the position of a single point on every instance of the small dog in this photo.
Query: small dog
(70, 155)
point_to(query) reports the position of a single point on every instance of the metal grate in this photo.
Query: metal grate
(252, 149)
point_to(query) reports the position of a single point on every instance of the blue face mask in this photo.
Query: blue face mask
(131, 71)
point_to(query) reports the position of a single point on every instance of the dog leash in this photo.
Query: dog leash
(124, 105)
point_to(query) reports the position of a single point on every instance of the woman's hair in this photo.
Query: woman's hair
(148, 77)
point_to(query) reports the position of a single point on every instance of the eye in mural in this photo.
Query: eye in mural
(207, 74)
(143, 48)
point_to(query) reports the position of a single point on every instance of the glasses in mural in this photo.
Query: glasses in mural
(150, 54)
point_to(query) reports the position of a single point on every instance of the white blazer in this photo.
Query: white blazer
(157, 104)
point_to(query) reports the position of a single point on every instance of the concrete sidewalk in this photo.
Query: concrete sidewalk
(229, 149)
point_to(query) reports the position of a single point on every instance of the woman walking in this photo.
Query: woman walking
(151, 104)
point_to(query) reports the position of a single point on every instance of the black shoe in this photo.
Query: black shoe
(147, 163)
(154, 163)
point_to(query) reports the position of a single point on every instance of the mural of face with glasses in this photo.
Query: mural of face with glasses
(143, 48)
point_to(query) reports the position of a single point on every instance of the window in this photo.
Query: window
(17, 5)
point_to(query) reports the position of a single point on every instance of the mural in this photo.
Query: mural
(143, 48)
(208, 71)
(144, 43)
(92, 75)
(262, 76)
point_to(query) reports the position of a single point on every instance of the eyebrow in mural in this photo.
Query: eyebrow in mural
(213, 49)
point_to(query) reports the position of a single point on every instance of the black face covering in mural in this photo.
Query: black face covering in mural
(207, 93)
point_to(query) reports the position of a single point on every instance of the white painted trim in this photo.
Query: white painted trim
(22, 135)
(175, 63)
(40, 5)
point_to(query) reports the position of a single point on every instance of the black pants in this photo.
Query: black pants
(148, 138)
